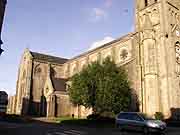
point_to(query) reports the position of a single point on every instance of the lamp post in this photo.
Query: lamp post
(1, 50)
(2, 10)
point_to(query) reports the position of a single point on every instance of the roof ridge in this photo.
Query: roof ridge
(48, 55)
(48, 58)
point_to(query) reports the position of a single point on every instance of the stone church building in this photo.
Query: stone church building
(151, 56)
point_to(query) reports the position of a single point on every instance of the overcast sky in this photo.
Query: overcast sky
(63, 28)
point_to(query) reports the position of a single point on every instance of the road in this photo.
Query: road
(56, 129)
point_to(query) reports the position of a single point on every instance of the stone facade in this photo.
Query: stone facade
(157, 24)
(41, 87)
(151, 56)
(11, 105)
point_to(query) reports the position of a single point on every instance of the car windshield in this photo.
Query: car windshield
(145, 117)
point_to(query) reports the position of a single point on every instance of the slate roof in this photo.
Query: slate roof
(59, 84)
(48, 58)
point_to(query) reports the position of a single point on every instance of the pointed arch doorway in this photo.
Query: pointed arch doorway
(48, 99)
(43, 106)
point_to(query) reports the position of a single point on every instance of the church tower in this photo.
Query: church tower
(157, 26)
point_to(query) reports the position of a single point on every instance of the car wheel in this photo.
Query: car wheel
(146, 130)
(163, 132)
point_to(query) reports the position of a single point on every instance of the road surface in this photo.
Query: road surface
(40, 128)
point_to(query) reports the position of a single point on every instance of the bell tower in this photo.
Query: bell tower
(155, 20)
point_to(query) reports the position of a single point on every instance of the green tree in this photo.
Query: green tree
(102, 86)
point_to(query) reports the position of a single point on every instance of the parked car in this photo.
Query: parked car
(139, 122)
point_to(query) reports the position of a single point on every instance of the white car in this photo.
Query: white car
(139, 122)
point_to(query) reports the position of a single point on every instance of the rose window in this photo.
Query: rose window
(124, 54)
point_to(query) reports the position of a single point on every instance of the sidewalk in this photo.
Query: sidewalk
(45, 119)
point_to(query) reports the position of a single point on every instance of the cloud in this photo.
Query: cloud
(100, 13)
(108, 3)
(101, 42)
(97, 14)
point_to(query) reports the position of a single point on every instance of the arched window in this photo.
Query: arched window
(177, 50)
(24, 74)
(38, 82)
(146, 2)
(74, 70)
(83, 65)
(38, 70)
(53, 72)
(177, 43)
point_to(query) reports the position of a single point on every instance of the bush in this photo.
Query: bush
(93, 117)
(159, 116)
(108, 114)
(100, 119)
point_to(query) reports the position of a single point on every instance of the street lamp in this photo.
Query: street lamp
(1, 50)
(2, 10)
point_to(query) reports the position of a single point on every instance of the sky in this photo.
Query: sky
(63, 28)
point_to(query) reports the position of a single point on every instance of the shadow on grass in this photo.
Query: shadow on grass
(172, 123)
(12, 118)
(89, 123)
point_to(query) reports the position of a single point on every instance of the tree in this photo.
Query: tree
(102, 86)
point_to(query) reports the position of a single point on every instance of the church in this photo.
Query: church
(151, 56)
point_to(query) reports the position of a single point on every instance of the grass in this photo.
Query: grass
(61, 119)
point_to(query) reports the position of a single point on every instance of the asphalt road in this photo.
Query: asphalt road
(55, 129)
